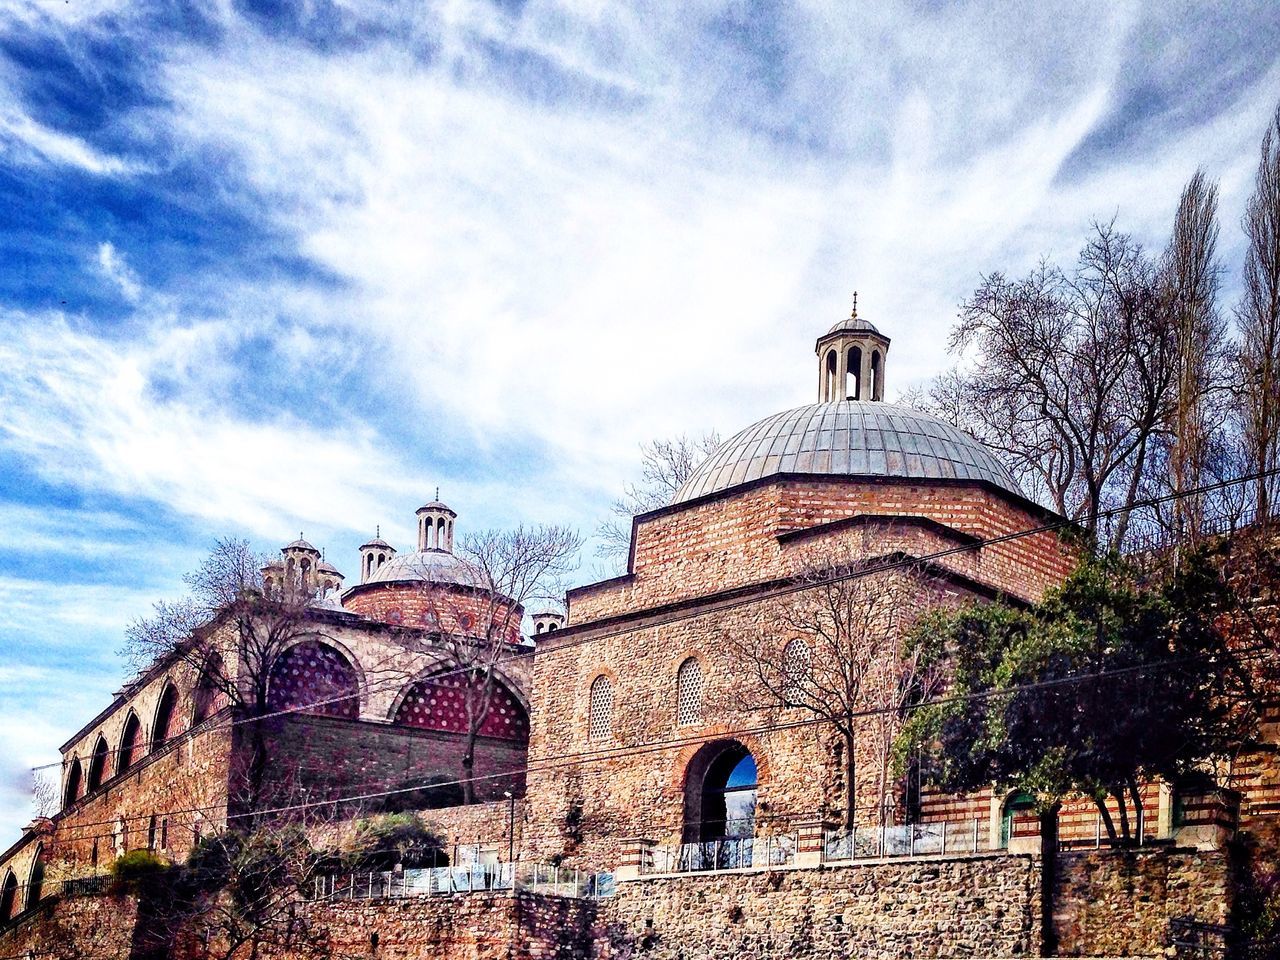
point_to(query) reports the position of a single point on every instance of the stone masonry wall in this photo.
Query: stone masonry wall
(77, 928)
(982, 906)
(475, 926)
(1119, 903)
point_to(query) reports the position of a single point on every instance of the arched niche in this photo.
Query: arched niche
(439, 702)
(314, 677)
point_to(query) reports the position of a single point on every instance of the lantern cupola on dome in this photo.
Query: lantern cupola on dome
(851, 358)
(435, 526)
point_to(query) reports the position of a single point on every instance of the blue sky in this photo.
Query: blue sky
(270, 267)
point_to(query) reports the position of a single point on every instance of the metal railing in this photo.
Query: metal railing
(1097, 837)
(1193, 939)
(907, 840)
(726, 853)
(539, 878)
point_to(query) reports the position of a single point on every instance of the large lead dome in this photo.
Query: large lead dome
(850, 438)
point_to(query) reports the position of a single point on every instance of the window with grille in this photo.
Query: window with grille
(600, 709)
(689, 693)
(795, 666)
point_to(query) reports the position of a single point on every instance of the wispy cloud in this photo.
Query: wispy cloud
(115, 269)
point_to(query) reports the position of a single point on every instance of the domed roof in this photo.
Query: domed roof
(847, 438)
(853, 325)
(429, 566)
(299, 544)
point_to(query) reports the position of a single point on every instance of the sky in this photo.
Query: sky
(278, 267)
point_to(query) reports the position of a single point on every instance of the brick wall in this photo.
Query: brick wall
(733, 540)
(456, 610)
(322, 757)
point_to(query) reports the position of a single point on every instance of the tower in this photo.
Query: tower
(851, 357)
(300, 560)
(373, 554)
(435, 526)
(548, 621)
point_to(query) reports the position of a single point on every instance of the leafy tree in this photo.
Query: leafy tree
(1110, 681)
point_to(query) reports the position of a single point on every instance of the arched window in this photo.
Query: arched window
(166, 725)
(795, 667)
(151, 833)
(35, 884)
(312, 677)
(830, 392)
(71, 793)
(440, 538)
(689, 693)
(853, 386)
(552, 626)
(600, 709)
(877, 377)
(93, 857)
(9, 897)
(130, 743)
(98, 763)
(440, 703)
(119, 836)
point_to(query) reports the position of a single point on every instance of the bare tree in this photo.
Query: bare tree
(1190, 275)
(514, 568)
(665, 465)
(1259, 320)
(232, 631)
(833, 648)
(1073, 375)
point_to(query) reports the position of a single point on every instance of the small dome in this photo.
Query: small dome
(324, 566)
(429, 566)
(853, 325)
(848, 438)
(374, 543)
(299, 544)
(436, 507)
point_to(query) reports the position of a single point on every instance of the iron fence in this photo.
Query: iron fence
(547, 879)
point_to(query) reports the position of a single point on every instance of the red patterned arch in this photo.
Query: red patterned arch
(313, 677)
(440, 703)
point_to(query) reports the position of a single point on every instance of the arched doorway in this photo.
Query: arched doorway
(1017, 803)
(720, 807)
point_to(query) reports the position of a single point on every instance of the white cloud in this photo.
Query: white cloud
(24, 140)
(113, 266)
(86, 413)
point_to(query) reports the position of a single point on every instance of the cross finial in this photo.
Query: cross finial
(854, 315)
(437, 494)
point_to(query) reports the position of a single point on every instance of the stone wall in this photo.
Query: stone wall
(474, 926)
(78, 928)
(1119, 903)
(981, 906)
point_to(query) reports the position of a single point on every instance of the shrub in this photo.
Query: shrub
(136, 866)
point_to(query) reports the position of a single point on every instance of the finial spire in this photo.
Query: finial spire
(437, 493)
(854, 315)
(377, 531)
